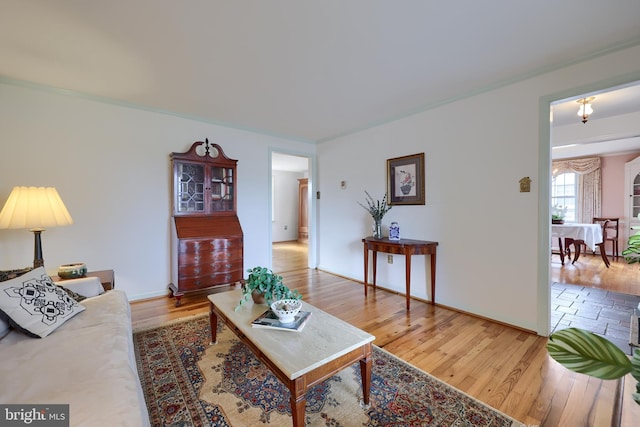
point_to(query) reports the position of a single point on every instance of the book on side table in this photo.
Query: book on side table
(269, 320)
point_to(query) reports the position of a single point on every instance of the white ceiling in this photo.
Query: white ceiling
(289, 163)
(309, 70)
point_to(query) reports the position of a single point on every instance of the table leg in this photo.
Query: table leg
(213, 320)
(366, 268)
(576, 245)
(298, 402)
(375, 264)
(407, 272)
(561, 250)
(365, 373)
(433, 278)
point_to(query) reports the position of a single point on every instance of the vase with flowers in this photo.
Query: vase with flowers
(377, 209)
(557, 214)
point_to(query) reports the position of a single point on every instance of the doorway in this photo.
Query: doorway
(588, 279)
(291, 222)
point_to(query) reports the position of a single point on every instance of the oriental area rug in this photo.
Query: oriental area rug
(188, 382)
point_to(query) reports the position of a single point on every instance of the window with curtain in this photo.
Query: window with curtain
(587, 200)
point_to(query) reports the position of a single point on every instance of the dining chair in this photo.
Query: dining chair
(610, 228)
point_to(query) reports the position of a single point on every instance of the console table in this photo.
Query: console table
(406, 247)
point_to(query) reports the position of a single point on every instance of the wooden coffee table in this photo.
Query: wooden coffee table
(302, 359)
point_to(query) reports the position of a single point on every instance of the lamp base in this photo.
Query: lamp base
(37, 248)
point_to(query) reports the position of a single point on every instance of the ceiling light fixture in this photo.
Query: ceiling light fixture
(585, 108)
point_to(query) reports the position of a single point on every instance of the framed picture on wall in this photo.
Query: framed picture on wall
(405, 180)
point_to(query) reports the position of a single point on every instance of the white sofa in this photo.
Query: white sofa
(87, 362)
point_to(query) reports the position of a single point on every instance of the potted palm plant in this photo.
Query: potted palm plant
(264, 286)
(587, 353)
(632, 253)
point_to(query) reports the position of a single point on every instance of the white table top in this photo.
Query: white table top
(590, 233)
(323, 339)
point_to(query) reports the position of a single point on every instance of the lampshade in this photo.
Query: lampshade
(34, 208)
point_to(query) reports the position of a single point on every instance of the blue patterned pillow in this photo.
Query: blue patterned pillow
(33, 304)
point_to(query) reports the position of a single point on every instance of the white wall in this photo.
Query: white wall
(111, 167)
(285, 224)
(493, 254)
(493, 240)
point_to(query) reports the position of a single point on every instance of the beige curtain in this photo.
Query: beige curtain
(589, 185)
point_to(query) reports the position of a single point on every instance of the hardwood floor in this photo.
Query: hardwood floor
(590, 271)
(287, 256)
(505, 367)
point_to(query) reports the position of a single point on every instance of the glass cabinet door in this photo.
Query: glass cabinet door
(222, 189)
(190, 192)
(203, 183)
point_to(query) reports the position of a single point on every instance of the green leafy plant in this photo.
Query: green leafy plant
(377, 209)
(587, 353)
(264, 281)
(632, 253)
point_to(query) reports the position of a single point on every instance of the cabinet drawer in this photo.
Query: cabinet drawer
(203, 282)
(193, 246)
(202, 269)
(209, 258)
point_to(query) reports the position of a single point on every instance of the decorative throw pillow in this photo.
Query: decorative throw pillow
(76, 297)
(11, 274)
(33, 304)
(5, 327)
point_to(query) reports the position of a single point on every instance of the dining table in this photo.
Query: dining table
(577, 234)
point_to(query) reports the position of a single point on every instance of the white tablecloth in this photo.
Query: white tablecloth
(590, 233)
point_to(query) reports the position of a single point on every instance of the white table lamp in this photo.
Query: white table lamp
(34, 208)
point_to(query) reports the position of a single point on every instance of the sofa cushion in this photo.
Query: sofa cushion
(5, 328)
(33, 304)
(85, 286)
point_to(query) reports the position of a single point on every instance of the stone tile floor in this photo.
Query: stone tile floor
(602, 312)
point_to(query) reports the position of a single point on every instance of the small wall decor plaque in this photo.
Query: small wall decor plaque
(525, 184)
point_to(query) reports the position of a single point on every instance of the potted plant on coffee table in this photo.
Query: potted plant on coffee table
(264, 286)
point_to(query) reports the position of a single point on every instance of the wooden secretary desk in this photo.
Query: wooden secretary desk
(206, 236)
